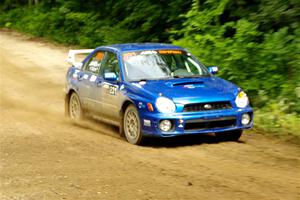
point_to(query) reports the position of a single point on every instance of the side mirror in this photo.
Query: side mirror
(110, 76)
(213, 69)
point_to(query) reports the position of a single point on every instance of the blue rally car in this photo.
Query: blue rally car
(154, 90)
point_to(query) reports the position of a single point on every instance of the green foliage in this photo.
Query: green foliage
(274, 119)
(253, 53)
(95, 22)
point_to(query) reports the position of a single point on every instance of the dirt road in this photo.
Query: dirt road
(45, 156)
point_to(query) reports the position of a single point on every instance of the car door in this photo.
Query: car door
(89, 79)
(81, 85)
(108, 89)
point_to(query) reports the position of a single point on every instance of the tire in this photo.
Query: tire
(75, 110)
(132, 126)
(229, 135)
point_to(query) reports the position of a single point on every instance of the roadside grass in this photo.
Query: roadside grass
(275, 122)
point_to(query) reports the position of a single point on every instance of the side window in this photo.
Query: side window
(110, 64)
(94, 64)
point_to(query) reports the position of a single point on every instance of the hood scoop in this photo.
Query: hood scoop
(188, 83)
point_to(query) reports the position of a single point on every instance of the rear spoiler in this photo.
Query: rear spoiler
(72, 56)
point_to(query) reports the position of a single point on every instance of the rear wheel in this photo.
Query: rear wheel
(229, 135)
(132, 126)
(75, 110)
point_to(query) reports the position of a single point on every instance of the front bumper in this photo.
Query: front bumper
(203, 122)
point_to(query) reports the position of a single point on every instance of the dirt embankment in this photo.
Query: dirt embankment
(44, 156)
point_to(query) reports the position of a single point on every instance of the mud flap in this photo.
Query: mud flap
(121, 128)
(67, 96)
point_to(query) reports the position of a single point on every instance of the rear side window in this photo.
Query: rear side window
(93, 65)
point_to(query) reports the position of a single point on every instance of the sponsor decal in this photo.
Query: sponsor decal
(180, 125)
(148, 52)
(128, 55)
(75, 74)
(112, 89)
(93, 68)
(122, 87)
(207, 106)
(147, 122)
(140, 104)
(105, 85)
(170, 52)
(189, 86)
(93, 78)
(85, 76)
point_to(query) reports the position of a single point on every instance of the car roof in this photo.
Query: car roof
(139, 47)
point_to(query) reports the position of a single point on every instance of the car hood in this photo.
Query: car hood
(189, 90)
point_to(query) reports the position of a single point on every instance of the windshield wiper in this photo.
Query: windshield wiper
(191, 76)
(152, 79)
(142, 79)
(176, 76)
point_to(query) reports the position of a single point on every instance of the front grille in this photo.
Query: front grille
(207, 106)
(209, 124)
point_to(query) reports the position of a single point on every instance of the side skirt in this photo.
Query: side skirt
(105, 120)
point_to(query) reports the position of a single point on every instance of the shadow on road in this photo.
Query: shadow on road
(155, 142)
(186, 140)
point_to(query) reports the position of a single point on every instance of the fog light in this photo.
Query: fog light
(246, 119)
(165, 125)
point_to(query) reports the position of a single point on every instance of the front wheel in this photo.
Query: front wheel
(229, 135)
(132, 126)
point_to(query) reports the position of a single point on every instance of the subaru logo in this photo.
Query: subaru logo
(207, 106)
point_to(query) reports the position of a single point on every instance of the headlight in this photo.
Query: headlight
(241, 100)
(165, 105)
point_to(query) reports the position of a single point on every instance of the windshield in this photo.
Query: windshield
(161, 64)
